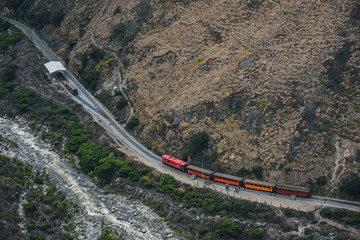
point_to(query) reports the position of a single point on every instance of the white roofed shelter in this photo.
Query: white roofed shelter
(54, 67)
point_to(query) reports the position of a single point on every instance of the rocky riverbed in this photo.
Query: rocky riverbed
(131, 219)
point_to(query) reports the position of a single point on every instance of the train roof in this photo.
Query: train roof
(199, 169)
(259, 182)
(178, 161)
(293, 187)
(71, 85)
(228, 176)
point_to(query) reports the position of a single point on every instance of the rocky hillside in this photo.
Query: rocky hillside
(274, 84)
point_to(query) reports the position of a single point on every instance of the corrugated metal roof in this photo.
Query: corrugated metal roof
(259, 182)
(54, 66)
(293, 187)
(227, 176)
(199, 169)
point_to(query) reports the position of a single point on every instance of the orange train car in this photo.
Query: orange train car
(293, 190)
(259, 185)
(191, 169)
(225, 178)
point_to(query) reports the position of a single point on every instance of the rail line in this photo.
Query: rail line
(104, 113)
(338, 201)
(108, 116)
(96, 107)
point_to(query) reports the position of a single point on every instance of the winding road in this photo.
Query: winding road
(108, 122)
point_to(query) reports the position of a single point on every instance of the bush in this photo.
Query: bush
(122, 103)
(73, 144)
(97, 54)
(198, 142)
(13, 3)
(57, 17)
(351, 187)
(91, 79)
(72, 43)
(288, 212)
(255, 233)
(258, 172)
(228, 228)
(133, 122)
(108, 166)
(90, 155)
(9, 72)
(166, 179)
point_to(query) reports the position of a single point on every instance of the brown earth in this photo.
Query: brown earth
(274, 83)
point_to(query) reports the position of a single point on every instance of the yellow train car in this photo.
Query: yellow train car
(259, 185)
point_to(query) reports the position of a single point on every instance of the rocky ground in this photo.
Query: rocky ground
(273, 83)
(131, 219)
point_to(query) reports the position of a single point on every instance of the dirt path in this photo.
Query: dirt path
(117, 77)
(338, 225)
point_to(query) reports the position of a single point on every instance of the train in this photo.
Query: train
(67, 84)
(234, 180)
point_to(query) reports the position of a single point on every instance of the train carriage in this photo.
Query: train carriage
(67, 84)
(259, 185)
(225, 178)
(293, 190)
(174, 162)
(191, 169)
(71, 88)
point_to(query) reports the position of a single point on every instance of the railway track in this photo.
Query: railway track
(108, 116)
(103, 113)
(336, 201)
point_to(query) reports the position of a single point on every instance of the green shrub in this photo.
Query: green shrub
(258, 172)
(228, 228)
(57, 17)
(122, 103)
(351, 187)
(13, 3)
(198, 142)
(72, 43)
(166, 179)
(107, 167)
(107, 234)
(255, 233)
(9, 72)
(90, 155)
(97, 54)
(288, 212)
(133, 122)
(91, 79)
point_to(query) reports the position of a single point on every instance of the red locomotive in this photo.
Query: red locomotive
(237, 181)
(67, 84)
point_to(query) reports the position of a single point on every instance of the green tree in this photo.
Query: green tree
(255, 233)
(122, 103)
(108, 235)
(91, 79)
(166, 179)
(198, 142)
(258, 172)
(228, 228)
(13, 3)
(90, 155)
(108, 166)
(9, 72)
(133, 122)
(73, 144)
(57, 17)
(351, 187)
